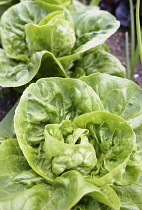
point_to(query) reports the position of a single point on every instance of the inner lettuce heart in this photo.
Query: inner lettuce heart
(61, 125)
(93, 144)
(54, 34)
(68, 148)
(13, 23)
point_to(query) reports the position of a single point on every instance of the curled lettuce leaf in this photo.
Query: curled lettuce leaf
(98, 61)
(56, 135)
(122, 97)
(56, 36)
(22, 188)
(17, 73)
(92, 28)
(126, 95)
(129, 195)
(13, 23)
(50, 101)
(30, 29)
(109, 134)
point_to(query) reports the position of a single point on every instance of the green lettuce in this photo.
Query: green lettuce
(22, 188)
(13, 31)
(55, 35)
(13, 23)
(75, 143)
(126, 96)
(63, 125)
(75, 147)
(98, 60)
(18, 73)
(5, 4)
(45, 39)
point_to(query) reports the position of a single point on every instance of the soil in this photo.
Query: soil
(8, 98)
(116, 43)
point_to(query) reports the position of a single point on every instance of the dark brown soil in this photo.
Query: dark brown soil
(116, 43)
(8, 98)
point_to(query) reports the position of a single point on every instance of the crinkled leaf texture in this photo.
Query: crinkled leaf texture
(21, 188)
(61, 126)
(98, 61)
(18, 73)
(90, 29)
(50, 101)
(13, 23)
(43, 39)
(122, 97)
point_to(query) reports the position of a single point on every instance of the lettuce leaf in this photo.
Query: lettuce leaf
(98, 61)
(56, 135)
(43, 39)
(5, 4)
(13, 23)
(131, 195)
(22, 188)
(50, 100)
(18, 73)
(127, 98)
(126, 103)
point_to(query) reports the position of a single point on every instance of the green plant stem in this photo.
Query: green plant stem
(138, 29)
(134, 61)
(132, 30)
(128, 71)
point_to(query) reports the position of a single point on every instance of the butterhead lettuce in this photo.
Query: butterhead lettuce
(44, 38)
(62, 125)
(22, 188)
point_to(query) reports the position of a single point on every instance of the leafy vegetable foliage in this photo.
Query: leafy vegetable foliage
(44, 38)
(126, 95)
(5, 4)
(72, 133)
(22, 188)
(64, 125)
